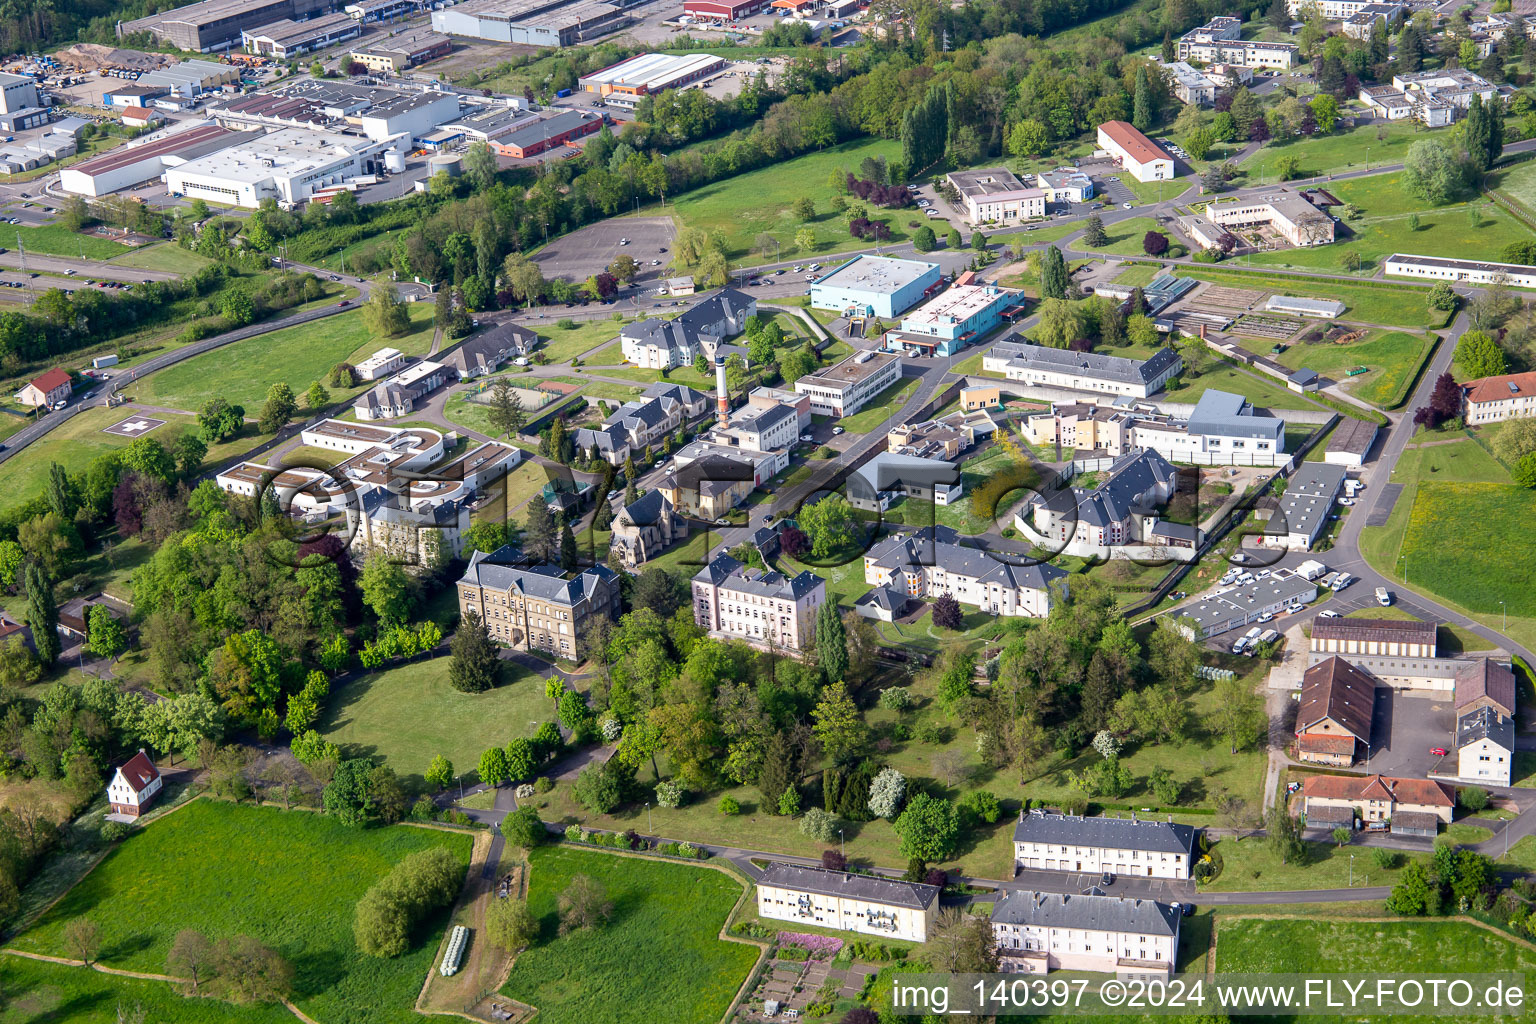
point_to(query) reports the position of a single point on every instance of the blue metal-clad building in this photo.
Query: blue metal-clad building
(876, 286)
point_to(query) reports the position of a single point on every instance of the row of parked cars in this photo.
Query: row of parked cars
(1249, 642)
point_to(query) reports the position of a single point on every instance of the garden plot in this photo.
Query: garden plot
(1265, 325)
(1230, 298)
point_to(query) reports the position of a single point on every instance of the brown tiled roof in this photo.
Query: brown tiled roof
(1330, 814)
(1486, 678)
(1335, 689)
(1393, 631)
(1421, 820)
(1140, 148)
(1325, 743)
(1497, 389)
(1424, 792)
(140, 771)
(50, 380)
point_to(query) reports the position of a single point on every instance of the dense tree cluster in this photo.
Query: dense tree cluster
(418, 885)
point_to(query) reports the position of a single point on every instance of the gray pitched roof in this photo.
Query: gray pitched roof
(725, 571)
(1092, 364)
(677, 392)
(1485, 723)
(1093, 913)
(935, 545)
(886, 598)
(1111, 833)
(874, 889)
(606, 440)
(647, 510)
(484, 351)
(545, 582)
(1130, 477)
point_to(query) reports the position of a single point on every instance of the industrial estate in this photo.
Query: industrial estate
(585, 510)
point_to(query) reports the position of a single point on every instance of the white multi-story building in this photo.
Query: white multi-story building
(1220, 41)
(1224, 429)
(1093, 372)
(930, 562)
(1291, 217)
(1037, 932)
(1131, 847)
(764, 608)
(994, 195)
(1332, 10)
(1485, 747)
(1139, 155)
(1120, 518)
(1495, 399)
(843, 389)
(381, 364)
(870, 904)
(288, 165)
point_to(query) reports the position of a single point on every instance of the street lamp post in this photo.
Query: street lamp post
(1503, 617)
(841, 849)
(1351, 871)
(648, 826)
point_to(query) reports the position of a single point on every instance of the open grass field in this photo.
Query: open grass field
(1250, 865)
(290, 879)
(1403, 549)
(1451, 530)
(743, 207)
(1138, 275)
(167, 256)
(658, 958)
(1518, 182)
(561, 345)
(80, 440)
(1477, 231)
(1332, 154)
(1296, 945)
(1223, 376)
(37, 991)
(1388, 305)
(1394, 359)
(242, 371)
(57, 240)
(406, 715)
(879, 408)
(1125, 237)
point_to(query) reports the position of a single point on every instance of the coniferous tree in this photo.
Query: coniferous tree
(42, 614)
(567, 548)
(831, 643)
(1141, 116)
(473, 668)
(1053, 274)
(539, 531)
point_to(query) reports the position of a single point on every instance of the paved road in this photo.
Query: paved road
(97, 269)
(52, 421)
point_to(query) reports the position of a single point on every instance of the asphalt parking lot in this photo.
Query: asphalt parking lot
(1114, 191)
(1405, 727)
(583, 253)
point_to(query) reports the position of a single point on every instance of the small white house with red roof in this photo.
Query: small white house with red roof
(134, 786)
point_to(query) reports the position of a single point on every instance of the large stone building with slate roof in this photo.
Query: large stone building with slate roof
(930, 562)
(1038, 932)
(1083, 371)
(647, 528)
(1133, 847)
(885, 907)
(764, 608)
(535, 607)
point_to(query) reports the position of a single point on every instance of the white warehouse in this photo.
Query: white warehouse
(288, 166)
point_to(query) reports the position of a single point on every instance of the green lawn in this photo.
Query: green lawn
(57, 240)
(37, 991)
(290, 879)
(80, 440)
(1388, 305)
(561, 345)
(1465, 477)
(658, 958)
(1298, 945)
(747, 205)
(167, 256)
(1223, 376)
(1125, 237)
(1138, 274)
(1250, 865)
(242, 371)
(878, 409)
(1331, 154)
(1155, 191)
(1518, 183)
(1448, 230)
(406, 715)
(1394, 359)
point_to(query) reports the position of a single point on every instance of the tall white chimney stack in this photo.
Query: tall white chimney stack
(722, 393)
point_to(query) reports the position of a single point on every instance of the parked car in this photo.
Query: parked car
(837, 430)
(1328, 614)
(1383, 596)
(1438, 751)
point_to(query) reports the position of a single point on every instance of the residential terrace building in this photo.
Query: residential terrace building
(657, 344)
(1333, 723)
(1379, 797)
(764, 608)
(1495, 399)
(534, 607)
(1132, 847)
(1117, 519)
(870, 904)
(1038, 932)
